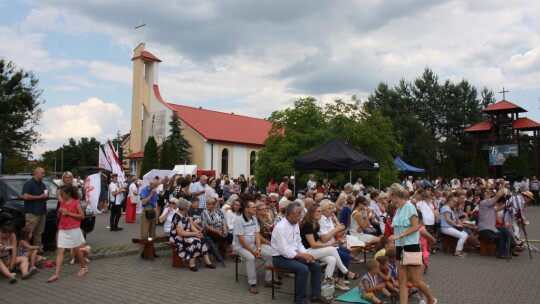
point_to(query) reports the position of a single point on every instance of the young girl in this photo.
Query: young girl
(370, 285)
(25, 249)
(8, 254)
(70, 235)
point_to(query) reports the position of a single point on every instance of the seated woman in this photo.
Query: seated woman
(452, 226)
(188, 241)
(167, 215)
(326, 252)
(214, 224)
(468, 226)
(330, 229)
(231, 214)
(359, 221)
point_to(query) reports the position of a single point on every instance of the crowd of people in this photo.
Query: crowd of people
(296, 228)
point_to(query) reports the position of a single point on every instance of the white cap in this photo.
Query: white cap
(292, 177)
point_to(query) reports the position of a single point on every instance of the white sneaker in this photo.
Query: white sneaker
(342, 287)
(347, 282)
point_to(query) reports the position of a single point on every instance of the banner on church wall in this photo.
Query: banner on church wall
(499, 154)
(158, 126)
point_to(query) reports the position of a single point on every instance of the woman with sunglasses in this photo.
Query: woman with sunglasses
(167, 215)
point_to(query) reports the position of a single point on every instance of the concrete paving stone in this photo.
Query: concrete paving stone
(118, 278)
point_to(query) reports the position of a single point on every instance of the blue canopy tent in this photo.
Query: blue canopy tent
(403, 166)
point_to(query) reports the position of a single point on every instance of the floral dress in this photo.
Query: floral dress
(187, 247)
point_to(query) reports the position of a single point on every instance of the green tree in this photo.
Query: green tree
(169, 156)
(479, 167)
(516, 164)
(150, 160)
(307, 126)
(428, 118)
(448, 168)
(20, 101)
(72, 155)
(181, 143)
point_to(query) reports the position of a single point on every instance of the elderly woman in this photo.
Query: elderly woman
(167, 215)
(231, 215)
(451, 225)
(326, 252)
(407, 238)
(330, 228)
(213, 222)
(342, 199)
(187, 239)
(272, 202)
(210, 190)
(359, 221)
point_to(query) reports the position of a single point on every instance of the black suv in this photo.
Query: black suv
(11, 202)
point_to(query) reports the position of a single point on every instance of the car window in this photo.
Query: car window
(14, 188)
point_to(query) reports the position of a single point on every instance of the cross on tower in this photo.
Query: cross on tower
(503, 92)
(140, 26)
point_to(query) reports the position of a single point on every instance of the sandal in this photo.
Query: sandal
(72, 262)
(83, 271)
(459, 254)
(54, 278)
(354, 277)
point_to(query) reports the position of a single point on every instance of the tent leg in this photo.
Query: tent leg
(350, 176)
(294, 183)
(379, 180)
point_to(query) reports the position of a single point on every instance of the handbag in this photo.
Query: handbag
(411, 258)
(149, 214)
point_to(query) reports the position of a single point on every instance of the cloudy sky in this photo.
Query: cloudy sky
(253, 57)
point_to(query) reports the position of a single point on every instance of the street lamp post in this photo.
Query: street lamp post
(54, 165)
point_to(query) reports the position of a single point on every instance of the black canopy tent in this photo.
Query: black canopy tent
(337, 156)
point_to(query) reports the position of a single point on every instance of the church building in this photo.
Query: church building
(224, 142)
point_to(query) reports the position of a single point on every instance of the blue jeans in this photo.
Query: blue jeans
(503, 237)
(345, 255)
(301, 270)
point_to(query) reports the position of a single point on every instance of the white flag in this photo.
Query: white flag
(116, 167)
(103, 162)
(92, 188)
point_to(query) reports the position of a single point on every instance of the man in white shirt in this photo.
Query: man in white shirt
(312, 184)
(116, 196)
(247, 244)
(409, 184)
(360, 186)
(289, 253)
(198, 189)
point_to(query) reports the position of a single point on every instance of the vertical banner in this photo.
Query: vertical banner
(113, 159)
(92, 188)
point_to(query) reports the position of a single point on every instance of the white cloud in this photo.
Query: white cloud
(91, 118)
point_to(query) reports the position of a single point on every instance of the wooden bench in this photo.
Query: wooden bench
(148, 244)
(275, 269)
(487, 246)
(356, 250)
(449, 243)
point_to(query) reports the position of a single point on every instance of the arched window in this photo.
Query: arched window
(252, 159)
(225, 161)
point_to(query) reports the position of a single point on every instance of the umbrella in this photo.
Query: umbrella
(213, 248)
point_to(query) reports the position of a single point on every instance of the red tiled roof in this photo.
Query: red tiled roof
(483, 126)
(524, 123)
(148, 55)
(139, 154)
(220, 126)
(504, 106)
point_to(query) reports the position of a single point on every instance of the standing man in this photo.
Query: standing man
(292, 185)
(149, 198)
(198, 189)
(247, 244)
(534, 187)
(35, 195)
(243, 183)
(116, 196)
(312, 184)
(289, 253)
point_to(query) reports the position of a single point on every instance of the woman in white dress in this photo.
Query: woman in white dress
(359, 222)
